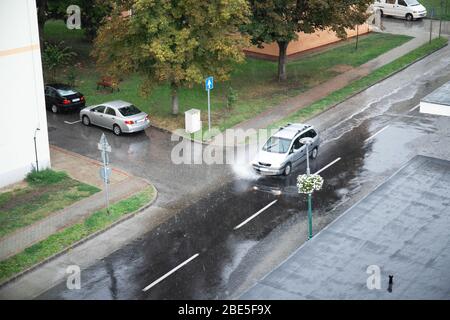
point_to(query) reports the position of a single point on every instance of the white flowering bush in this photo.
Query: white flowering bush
(308, 184)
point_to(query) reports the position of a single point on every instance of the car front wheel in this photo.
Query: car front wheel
(86, 121)
(287, 169)
(409, 17)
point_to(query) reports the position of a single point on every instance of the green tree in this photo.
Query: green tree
(178, 42)
(56, 56)
(280, 20)
(41, 8)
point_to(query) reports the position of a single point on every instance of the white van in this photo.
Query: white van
(409, 9)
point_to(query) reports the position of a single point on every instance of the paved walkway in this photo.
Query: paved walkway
(403, 227)
(281, 111)
(85, 170)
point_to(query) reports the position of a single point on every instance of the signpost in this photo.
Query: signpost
(105, 171)
(209, 85)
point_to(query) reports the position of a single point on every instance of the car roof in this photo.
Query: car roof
(116, 104)
(291, 130)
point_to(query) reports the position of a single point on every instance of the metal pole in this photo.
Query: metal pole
(310, 215)
(106, 191)
(35, 149)
(357, 36)
(431, 23)
(441, 16)
(307, 160)
(209, 111)
(308, 172)
(105, 179)
(35, 152)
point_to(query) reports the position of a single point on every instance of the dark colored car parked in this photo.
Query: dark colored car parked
(61, 97)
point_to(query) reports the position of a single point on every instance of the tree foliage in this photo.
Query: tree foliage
(280, 21)
(56, 56)
(179, 42)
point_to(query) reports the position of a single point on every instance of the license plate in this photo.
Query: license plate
(76, 100)
(139, 121)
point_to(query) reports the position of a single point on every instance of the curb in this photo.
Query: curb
(205, 143)
(80, 242)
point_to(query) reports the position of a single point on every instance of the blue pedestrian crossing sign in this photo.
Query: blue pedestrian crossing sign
(209, 83)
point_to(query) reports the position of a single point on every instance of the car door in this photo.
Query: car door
(97, 115)
(52, 96)
(401, 8)
(297, 151)
(47, 96)
(109, 118)
(389, 7)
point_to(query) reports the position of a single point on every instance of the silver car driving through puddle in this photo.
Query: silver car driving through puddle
(118, 116)
(284, 150)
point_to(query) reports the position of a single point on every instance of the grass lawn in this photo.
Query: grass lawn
(361, 84)
(46, 192)
(63, 239)
(254, 81)
(436, 4)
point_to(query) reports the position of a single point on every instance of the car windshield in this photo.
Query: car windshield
(129, 110)
(277, 145)
(66, 92)
(412, 2)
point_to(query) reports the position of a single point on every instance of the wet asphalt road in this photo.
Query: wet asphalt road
(229, 260)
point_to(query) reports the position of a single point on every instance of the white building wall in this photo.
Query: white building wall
(22, 102)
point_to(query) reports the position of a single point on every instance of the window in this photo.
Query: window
(297, 144)
(99, 109)
(110, 111)
(66, 92)
(129, 110)
(402, 3)
(390, 1)
(52, 92)
(277, 145)
(310, 134)
(412, 3)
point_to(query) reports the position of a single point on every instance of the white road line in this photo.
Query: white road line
(411, 110)
(328, 165)
(72, 122)
(255, 215)
(378, 132)
(154, 283)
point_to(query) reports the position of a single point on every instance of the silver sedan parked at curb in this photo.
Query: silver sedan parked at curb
(118, 116)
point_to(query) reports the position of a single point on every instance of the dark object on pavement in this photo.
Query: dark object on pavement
(391, 282)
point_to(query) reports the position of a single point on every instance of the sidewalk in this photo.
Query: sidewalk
(82, 169)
